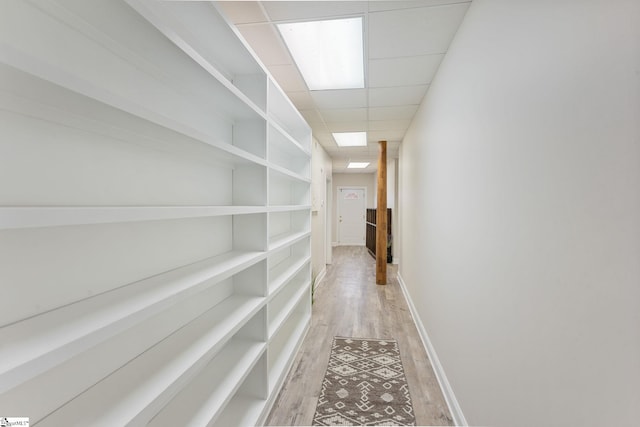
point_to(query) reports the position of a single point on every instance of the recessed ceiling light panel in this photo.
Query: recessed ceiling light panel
(351, 139)
(357, 165)
(329, 54)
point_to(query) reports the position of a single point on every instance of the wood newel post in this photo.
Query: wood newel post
(381, 217)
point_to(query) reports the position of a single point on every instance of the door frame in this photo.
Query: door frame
(338, 206)
(328, 209)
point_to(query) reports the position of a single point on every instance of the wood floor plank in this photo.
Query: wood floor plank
(349, 303)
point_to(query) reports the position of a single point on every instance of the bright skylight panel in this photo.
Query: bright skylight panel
(329, 54)
(357, 165)
(351, 139)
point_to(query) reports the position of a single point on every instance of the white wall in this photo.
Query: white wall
(521, 213)
(321, 167)
(351, 179)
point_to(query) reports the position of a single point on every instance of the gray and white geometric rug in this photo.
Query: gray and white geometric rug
(364, 385)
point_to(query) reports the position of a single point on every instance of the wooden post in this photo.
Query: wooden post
(381, 217)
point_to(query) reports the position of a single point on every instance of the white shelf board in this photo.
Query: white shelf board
(140, 389)
(202, 400)
(285, 312)
(53, 216)
(158, 110)
(285, 115)
(234, 105)
(280, 274)
(287, 353)
(64, 382)
(289, 208)
(289, 174)
(297, 148)
(241, 411)
(90, 109)
(34, 345)
(159, 16)
(286, 239)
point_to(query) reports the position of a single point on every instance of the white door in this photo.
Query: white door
(351, 215)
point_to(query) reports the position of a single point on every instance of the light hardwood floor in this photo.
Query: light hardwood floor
(348, 303)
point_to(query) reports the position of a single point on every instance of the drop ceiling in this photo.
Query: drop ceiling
(404, 43)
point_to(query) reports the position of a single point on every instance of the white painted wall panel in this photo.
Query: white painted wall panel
(520, 213)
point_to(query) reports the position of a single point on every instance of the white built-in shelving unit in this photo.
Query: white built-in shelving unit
(154, 217)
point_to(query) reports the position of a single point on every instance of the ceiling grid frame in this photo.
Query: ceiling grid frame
(401, 58)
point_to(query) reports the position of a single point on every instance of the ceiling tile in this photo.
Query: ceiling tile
(344, 115)
(332, 150)
(386, 135)
(288, 77)
(345, 98)
(304, 10)
(355, 151)
(389, 124)
(376, 6)
(415, 70)
(393, 113)
(400, 95)
(312, 116)
(349, 126)
(302, 100)
(243, 12)
(418, 31)
(399, 35)
(266, 43)
(323, 133)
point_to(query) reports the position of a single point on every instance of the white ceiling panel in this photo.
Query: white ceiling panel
(418, 31)
(302, 100)
(345, 98)
(412, 70)
(333, 150)
(326, 139)
(344, 115)
(393, 113)
(355, 126)
(354, 152)
(267, 44)
(393, 146)
(393, 96)
(397, 74)
(288, 77)
(243, 12)
(305, 10)
(340, 166)
(389, 124)
(312, 116)
(377, 6)
(386, 135)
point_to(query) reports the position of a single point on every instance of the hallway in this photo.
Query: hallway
(348, 303)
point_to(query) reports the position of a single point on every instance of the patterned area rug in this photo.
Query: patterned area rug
(364, 384)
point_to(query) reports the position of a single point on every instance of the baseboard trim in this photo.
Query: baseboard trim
(445, 386)
(320, 277)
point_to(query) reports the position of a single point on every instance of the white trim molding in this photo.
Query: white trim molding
(445, 386)
(320, 277)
